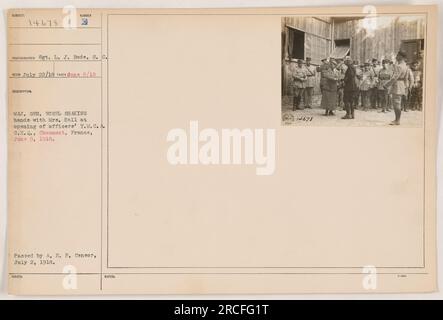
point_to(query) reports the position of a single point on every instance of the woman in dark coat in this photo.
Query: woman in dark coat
(329, 93)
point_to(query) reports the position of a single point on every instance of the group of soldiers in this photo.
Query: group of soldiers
(383, 85)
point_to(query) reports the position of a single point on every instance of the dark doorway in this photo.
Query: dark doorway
(298, 44)
(342, 48)
(412, 48)
(345, 43)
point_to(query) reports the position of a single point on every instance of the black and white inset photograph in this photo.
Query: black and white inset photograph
(353, 70)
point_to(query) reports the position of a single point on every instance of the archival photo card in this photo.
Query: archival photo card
(222, 151)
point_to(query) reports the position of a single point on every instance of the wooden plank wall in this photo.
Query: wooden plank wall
(383, 42)
(319, 26)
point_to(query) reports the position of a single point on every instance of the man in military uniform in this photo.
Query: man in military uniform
(366, 85)
(415, 102)
(350, 88)
(409, 85)
(298, 74)
(310, 82)
(359, 73)
(341, 69)
(375, 68)
(391, 68)
(384, 75)
(420, 61)
(398, 85)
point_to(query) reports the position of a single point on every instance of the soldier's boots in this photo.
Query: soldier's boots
(349, 112)
(296, 104)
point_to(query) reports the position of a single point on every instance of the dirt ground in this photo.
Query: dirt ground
(370, 118)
